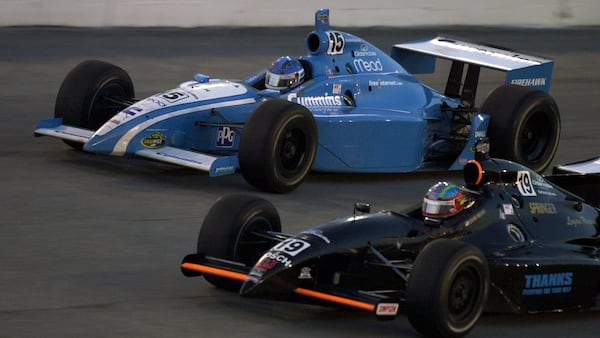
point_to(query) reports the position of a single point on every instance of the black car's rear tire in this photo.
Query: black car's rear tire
(447, 288)
(524, 125)
(88, 95)
(230, 231)
(278, 146)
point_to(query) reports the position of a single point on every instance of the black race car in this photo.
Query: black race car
(524, 243)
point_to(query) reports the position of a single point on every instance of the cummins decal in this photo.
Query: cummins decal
(316, 101)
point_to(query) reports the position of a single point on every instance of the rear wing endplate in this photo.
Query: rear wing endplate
(418, 57)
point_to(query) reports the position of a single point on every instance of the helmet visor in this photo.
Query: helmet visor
(282, 81)
(437, 208)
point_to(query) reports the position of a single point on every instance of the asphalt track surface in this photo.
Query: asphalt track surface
(91, 246)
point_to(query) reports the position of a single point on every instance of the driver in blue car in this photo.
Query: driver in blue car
(284, 74)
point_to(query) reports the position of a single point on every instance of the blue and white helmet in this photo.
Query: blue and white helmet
(285, 73)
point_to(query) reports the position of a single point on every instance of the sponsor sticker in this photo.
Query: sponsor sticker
(225, 137)
(548, 283)
(154, 140)
(529, 82)
(337, 88)
(368, 65)
(538, 208)
(278, 257)
(305, 273)
(387, 309)
(317, 101)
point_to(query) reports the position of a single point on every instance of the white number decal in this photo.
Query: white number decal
(524, 183)
(336, 43)
(292, 246)
(174, 96)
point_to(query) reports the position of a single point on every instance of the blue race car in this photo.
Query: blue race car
(344, 107)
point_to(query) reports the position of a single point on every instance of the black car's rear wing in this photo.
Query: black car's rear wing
(418, 57)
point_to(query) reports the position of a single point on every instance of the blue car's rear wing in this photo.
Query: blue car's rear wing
(418, 57)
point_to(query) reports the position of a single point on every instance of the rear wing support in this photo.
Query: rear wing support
(419, 57)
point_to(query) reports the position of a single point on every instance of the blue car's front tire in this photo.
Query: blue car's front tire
(92, 93)
(278, 146)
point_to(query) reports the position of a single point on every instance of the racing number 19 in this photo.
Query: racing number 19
(292, 246)
(524, 183)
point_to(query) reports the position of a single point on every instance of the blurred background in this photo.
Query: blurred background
(356, 13)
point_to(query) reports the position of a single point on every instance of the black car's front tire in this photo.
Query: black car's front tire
(447, 288)
(232, 230)
(278, 146)
(91, 94)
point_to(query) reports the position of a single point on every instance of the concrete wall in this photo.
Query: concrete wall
(359, 13)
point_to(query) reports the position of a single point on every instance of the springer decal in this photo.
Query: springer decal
(538, 208)
(548, 283)
(154, 140)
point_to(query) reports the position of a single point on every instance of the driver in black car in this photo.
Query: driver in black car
(444, 200)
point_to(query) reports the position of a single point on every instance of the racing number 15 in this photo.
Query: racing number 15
(292, 246)
(336, 43)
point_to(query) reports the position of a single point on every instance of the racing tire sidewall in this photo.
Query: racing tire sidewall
(447, 288)
(226, 232)
(524, 125)
(278, 146)
(80, 100)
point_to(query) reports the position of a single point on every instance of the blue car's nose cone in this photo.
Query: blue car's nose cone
(104, 144)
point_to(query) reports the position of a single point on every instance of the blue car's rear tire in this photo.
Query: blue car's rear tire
(231, 231)
(447, 288)
(524, 125)
(278, 146)
(89, 95)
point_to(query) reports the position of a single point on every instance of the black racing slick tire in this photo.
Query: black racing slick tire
(91, 94)
(278, 146)
(524, 125)
(232, 230)
(447, 289)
